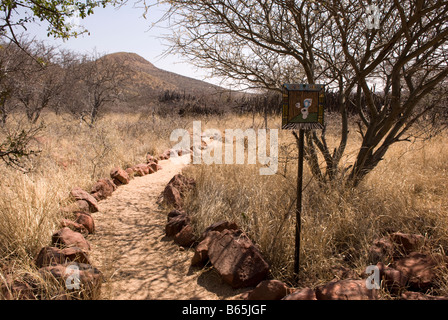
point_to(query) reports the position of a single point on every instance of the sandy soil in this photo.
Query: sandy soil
(136, 258)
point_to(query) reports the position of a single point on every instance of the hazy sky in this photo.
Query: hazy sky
(124, 30)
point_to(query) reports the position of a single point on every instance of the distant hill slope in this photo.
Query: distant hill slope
(147, 81)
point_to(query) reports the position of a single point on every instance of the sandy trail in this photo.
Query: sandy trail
(137, 259)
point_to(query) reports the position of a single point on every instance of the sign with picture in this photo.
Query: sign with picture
(303, 106)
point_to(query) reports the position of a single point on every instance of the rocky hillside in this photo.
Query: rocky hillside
(145, 81)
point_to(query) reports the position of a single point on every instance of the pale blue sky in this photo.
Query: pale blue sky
(124, 29)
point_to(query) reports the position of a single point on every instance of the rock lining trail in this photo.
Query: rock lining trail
(137, 260)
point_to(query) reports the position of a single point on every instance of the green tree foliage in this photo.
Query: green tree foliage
(17, 14)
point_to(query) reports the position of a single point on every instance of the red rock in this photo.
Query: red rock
(153, 166)
(218, 226)
(382, 250)
(82, 206)
(75, 226)
(176, 224)
(392, 279)
(103, 189)
(346, 290)
(81, 195)
(302, 294)
(138, 172)
(130, 173)
(171, 196)
(419, 268)
(176, 189)
(66, 237)
(175, 213)
(75, 254)
(200, 256)
(86, 220)
(119, 176)
(407, 242)
(185, 237)
(143, 167)
(269, 290)
(236, 259)
(182, 183)
(49, 256)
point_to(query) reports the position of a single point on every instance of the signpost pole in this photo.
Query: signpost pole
(299, 204)
(303, 109)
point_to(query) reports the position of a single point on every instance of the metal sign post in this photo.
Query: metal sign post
(303, 109)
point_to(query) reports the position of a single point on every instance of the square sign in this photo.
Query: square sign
(303, 106)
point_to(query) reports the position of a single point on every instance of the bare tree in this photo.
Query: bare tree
(265, 43)
(38, 83)
(12, 61)
(100, 81)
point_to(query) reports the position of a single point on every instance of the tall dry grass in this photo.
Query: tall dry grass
(72, 155)
(407, 192)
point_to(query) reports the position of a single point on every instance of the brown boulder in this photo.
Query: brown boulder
(49, 256)
(182, 183)
(185, 237)
(269, 290)
(200, 257)
(219, 226)
(103, 189)
(75, 226)
(176, 189)
(419, 268)
(382, 250)
(119, 176)
(80, 195)
(82, 206)
(141, 169)
(172, 196)
(130, 173)
(236, 259)
(302, 294)
(66, 237)
(392, 279)
(407, 242)
(346, 290)
(175, 213)
(85, 220)
(154, 166)
(176, 224)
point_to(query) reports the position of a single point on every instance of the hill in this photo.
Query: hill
(146, 81)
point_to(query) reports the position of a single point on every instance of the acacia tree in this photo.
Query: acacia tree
(265, 43)
(39, 81)
(99, 81)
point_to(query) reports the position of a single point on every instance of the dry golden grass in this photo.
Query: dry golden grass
(71, 155)
(407, 192)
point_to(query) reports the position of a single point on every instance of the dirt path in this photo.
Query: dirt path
(138, 261)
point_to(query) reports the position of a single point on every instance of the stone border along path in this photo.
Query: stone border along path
(137, 260)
